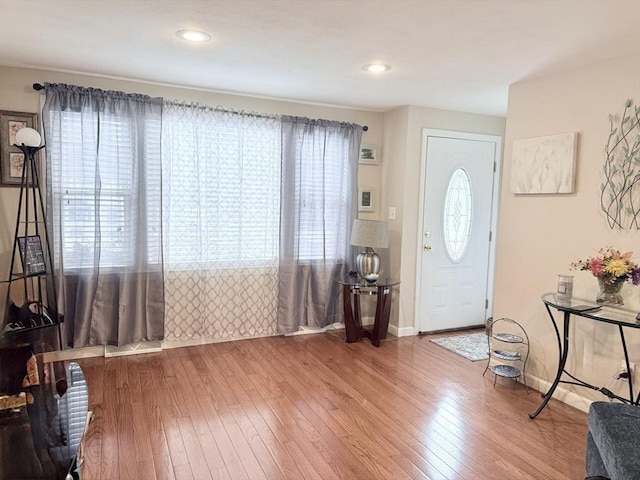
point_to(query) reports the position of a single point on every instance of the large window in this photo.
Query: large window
(195, 216)
(322, 193)
(217, 199)
(95, 189)
(221, 176)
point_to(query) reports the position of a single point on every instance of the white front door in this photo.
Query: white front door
(455, 259)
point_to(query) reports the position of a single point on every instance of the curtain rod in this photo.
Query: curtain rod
(37, 87)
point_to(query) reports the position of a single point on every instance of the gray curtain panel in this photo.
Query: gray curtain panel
(317, 207)
(104, 209)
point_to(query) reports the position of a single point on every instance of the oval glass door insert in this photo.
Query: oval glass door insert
(457, 215)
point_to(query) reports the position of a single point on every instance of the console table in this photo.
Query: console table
(590, 311)
(41, 439)
(352, 289)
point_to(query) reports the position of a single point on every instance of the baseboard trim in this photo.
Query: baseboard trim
(74, 354)
(401, 332)
(313, 330)
(166, 344)
(132, 349)
(565, 396)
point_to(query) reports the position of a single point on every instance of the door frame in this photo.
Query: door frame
(495, 199)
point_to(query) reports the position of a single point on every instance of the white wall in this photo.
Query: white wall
(539, 236)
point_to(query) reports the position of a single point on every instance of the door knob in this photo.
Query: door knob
(427, 247)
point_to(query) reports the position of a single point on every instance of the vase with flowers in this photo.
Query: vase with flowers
(612, 269)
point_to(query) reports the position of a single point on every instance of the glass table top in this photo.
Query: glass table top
(361, 282)
(593, 310)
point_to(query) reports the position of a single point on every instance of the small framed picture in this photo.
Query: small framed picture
(366, 199)
(31, 255)
(11, 158)
(368, 155)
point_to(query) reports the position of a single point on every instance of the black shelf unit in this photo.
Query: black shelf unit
(31, 279)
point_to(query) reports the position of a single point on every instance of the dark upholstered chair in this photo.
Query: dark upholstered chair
(613, 442)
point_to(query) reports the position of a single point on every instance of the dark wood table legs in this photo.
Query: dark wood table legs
(353, 316)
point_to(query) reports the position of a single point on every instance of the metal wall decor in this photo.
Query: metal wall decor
(620, 189)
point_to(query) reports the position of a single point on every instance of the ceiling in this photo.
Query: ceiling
(450, 54)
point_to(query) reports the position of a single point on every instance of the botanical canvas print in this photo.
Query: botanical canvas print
(544, 164)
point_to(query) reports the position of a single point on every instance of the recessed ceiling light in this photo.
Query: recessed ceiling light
(376, 67)
(193, 35)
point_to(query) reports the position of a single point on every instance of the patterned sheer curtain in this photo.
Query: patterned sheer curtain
(319, 194)
(221, 201)
(103, 202)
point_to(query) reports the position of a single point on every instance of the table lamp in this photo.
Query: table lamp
(369, 234)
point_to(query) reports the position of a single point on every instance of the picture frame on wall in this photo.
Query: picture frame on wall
(366, 199)
(12, 158)
(368, 155)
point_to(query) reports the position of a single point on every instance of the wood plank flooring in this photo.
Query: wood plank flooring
(315, 407)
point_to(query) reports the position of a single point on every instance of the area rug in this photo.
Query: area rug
(472, 346)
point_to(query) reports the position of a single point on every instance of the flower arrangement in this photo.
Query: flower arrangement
(610, 266)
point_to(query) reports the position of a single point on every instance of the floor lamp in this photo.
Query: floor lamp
(31, 245)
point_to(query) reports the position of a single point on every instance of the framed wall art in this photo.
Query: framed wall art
(366, 199)
(544, 165)
(12, 158)
(368, 155)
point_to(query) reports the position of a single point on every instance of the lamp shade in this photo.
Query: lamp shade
(28, 136)
(370, 233)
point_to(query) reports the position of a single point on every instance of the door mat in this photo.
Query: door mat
(472, 346)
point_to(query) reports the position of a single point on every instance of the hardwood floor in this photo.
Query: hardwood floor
(315, 407)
